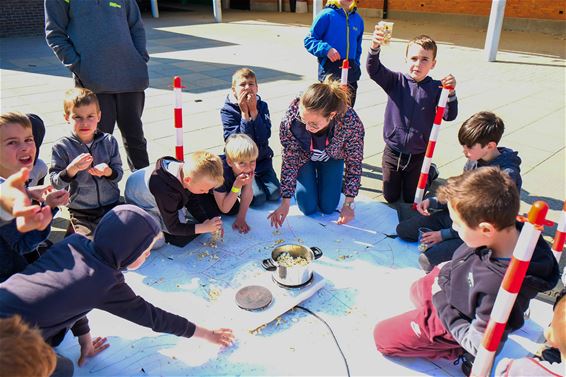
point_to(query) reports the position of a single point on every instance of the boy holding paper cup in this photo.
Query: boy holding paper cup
(87, 161)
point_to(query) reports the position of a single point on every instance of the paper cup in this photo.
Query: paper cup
(387, 28)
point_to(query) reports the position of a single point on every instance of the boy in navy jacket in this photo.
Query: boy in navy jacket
(410, 112)
(244, 112)
(78, 275)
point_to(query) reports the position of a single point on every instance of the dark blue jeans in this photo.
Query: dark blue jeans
(266, 186)
(319, 185)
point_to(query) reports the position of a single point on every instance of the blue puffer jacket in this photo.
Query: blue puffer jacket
(336, 28)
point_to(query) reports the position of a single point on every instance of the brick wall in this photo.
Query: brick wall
(21, 17)
(533, 9)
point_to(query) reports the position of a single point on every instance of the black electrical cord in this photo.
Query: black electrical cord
(331, 332)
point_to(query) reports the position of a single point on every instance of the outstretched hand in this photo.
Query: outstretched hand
(90, 348)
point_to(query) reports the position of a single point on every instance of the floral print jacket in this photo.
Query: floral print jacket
(346, 142)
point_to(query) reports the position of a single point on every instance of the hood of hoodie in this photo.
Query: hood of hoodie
(542, 274)
(123, 234)
(507, 158)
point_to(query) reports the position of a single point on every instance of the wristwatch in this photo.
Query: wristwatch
(351, 204)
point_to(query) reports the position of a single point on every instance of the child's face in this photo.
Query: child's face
(84, 120)
(17, 149)
(419, 62)
(141, 259)
(476, 152)
(199, 185)
(245, 85)
(473, 237)
(346, 4)
(239, 167)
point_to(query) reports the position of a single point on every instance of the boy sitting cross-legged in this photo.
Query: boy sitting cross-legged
(454, 301)
(179, 195)
(87, 161)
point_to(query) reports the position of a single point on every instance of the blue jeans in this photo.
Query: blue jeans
(266, 186)
(319, 185)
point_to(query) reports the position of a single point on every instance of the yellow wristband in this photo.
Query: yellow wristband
(235, 190)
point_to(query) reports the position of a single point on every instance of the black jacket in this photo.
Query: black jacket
(77, 275)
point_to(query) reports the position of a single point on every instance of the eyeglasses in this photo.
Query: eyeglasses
(315, 125)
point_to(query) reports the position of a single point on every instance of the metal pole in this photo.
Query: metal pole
(154, 9)
(217, 10)
(494, 29)
(316, 8)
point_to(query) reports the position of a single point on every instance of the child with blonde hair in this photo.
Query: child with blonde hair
(236, 194)
(179, 195)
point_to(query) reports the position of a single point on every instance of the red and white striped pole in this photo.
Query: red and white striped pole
(560, 236)
(344, 77)
(177, 90)
(510, 287)
(421, 186)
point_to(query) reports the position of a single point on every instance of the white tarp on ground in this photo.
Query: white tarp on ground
(367, 279)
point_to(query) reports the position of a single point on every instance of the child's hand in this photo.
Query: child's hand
(211, 225)
(57, 198)
(449, 81)
(100, 170)
(422, 207)
(38, 193)
(252, 105)
(223, 337)
(241, 225)
(243, 179)
(430, 238)
(80, 163)
(15, 200)
(333, 55)
(90, 348)
(243, 103)
(376, 38)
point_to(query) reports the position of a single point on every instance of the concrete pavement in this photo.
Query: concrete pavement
(526, 87)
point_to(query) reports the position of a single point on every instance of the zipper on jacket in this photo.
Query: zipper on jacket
(347, 34)
(94, 178)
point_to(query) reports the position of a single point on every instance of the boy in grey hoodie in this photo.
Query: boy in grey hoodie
(479, 136)
(87, 161)
(103, 44)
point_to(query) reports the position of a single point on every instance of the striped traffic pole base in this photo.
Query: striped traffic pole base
(178, 116)
(423, 178)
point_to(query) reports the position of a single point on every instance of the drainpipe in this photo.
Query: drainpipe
(384, 9)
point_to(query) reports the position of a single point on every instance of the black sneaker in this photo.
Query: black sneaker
(466, 360)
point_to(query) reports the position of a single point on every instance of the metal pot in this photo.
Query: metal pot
(293, 276)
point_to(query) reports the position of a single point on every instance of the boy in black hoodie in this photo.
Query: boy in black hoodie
(479, 136)
(78, 275)
(454, 301)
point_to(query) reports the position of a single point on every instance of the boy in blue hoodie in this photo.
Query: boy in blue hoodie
(78, 275)
(409, 114)
(336, 35)
(244, 112)
(479, 136)
(88, 161)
